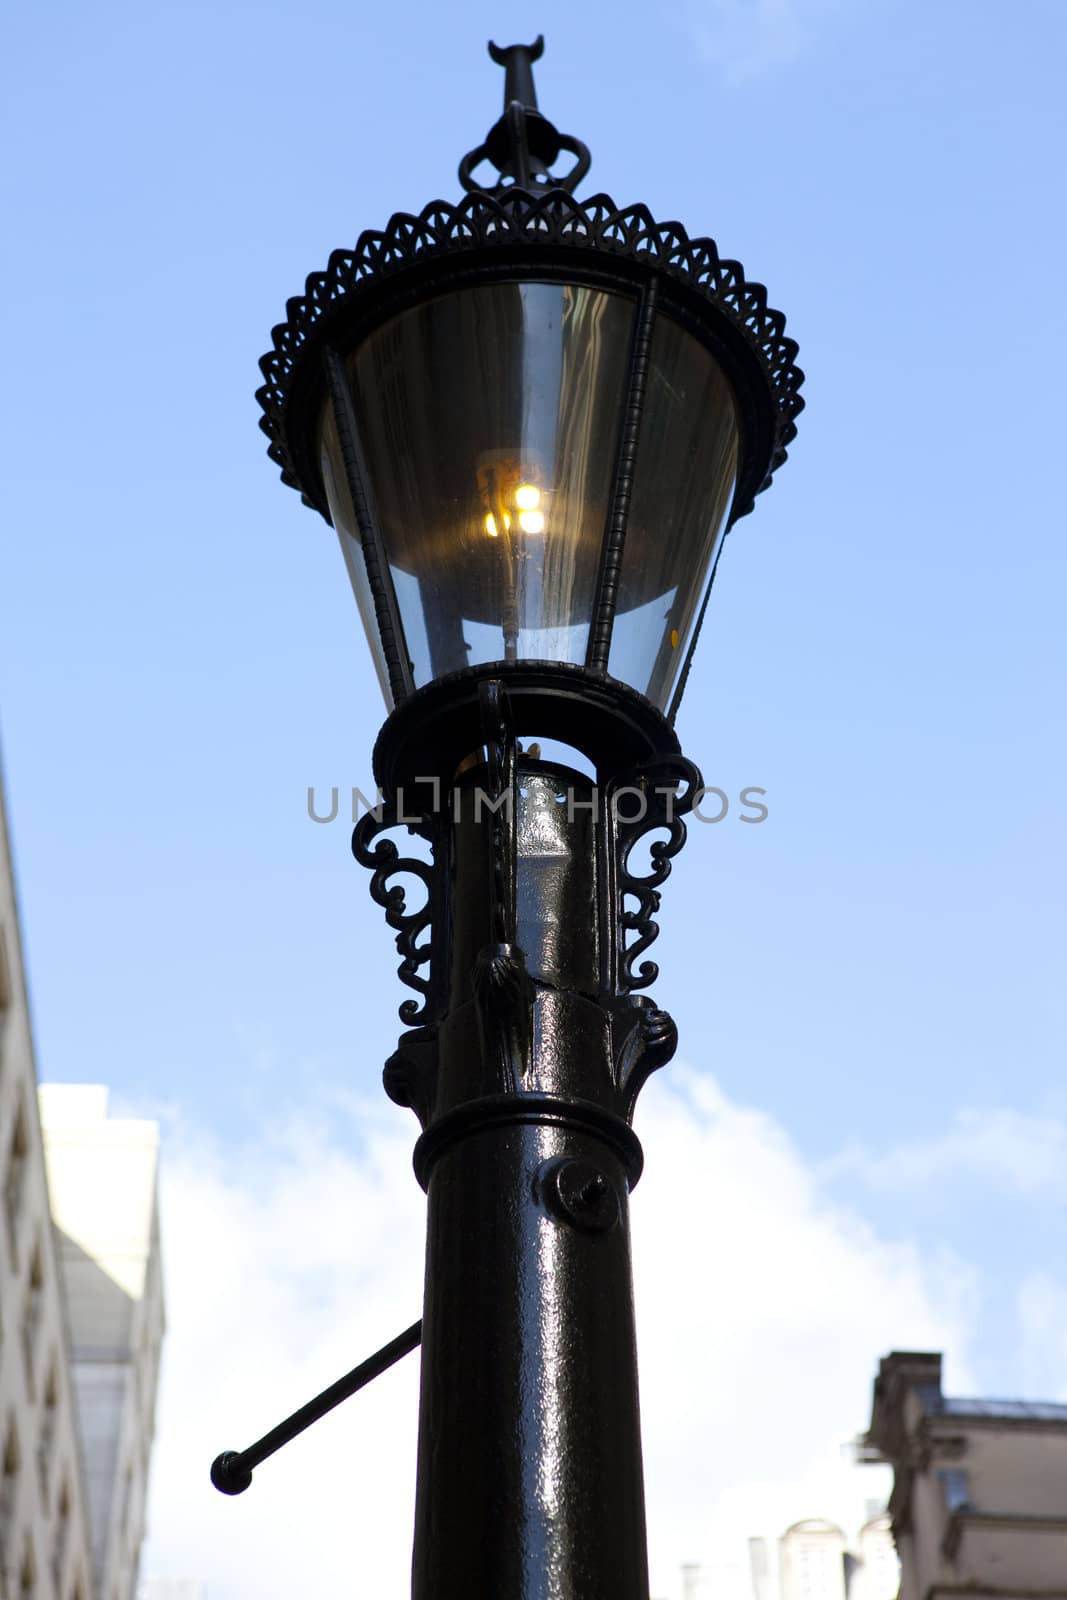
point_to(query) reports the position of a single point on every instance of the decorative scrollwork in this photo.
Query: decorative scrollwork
(550, 220)
(385, 862)
(656, 796)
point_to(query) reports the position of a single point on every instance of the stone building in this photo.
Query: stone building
(815, 1561)
(812, 1560)
(979, 1502)
(874, 1572)
(102, 1181)
(81, 1317)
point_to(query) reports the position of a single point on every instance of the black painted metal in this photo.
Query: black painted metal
(524, 1073)
(231, 1472)
(523, 144)
(644, 785)
(385, 863)
(517, 61)
(529, 1476)
(615, 535)
(546, 237)
(528, 1043)
(533, 1111)
(653, 799)
(379, 577)
(615, 725)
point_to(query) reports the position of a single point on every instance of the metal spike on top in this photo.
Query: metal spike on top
(523, 144)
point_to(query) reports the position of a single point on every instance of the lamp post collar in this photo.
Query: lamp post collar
(523, 144)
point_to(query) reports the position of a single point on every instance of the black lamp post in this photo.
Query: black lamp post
(531, 420)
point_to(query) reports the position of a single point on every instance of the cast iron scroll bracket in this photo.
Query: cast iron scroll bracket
(385, 863)
(654, 797)
(231, 1472)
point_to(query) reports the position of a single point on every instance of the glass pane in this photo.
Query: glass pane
(489, 419)
(683, 483)
(343, 516)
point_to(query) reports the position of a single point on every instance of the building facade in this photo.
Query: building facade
(817, 1562)
(812, 1560)
(102, 1182)
(979, 1502)
(76, 1388)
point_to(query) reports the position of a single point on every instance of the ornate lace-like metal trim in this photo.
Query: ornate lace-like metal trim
(555, 219)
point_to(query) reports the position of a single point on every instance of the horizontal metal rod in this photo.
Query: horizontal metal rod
(231, 1472)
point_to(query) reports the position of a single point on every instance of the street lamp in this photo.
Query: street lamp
(531, 420)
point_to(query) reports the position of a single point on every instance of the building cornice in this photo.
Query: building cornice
(990, 1591)
(1004, 1522)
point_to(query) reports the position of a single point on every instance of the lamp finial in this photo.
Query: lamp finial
(523, 144)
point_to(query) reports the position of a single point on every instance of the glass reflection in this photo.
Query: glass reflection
(489, 419)
(343, 516)
(684, 481)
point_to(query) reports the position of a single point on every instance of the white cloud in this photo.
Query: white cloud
(283, 1270)
(1014, 1150)
(1041, 1304)
(761, 1326)
(762, 1313)
(748, 37)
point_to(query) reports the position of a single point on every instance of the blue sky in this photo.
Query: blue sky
(874, 974)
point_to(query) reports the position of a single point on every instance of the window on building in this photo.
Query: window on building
(885, 1576)
(956, 1488)
(9, 1483)
(6, 997)
(127, 1495)
(14, 1179)
(31, 1316)
(28, 1573)
(817, 1572)
(47, 1433)
(59, 1537)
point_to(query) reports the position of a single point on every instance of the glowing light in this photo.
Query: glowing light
(674, 638)
(490, 525)
(532, 521)
(528, 498)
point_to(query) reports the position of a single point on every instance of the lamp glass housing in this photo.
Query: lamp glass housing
(490, 418)
(684, 479)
